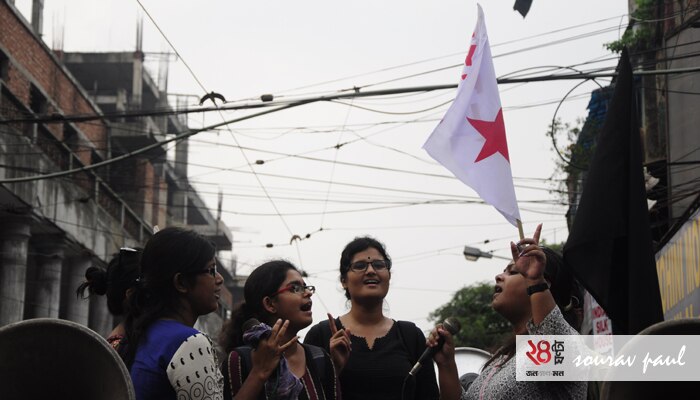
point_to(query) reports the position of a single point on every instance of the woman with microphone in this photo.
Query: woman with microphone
(538, 295)
(265, 359)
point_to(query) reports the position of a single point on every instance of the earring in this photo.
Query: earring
(573, 303)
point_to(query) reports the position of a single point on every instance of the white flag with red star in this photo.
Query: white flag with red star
(470, 140)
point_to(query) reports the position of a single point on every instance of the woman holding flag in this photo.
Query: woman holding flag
(537, 294)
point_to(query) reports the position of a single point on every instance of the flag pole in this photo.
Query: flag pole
(520, 229)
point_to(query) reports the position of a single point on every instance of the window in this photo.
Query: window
(4, 67)
(37, 101)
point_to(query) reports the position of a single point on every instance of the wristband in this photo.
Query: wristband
(540, 287)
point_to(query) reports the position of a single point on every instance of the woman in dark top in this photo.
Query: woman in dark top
(382, 350)
(116, 282)
(264, 358)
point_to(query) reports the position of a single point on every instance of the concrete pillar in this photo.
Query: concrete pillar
(181, 157)
(45, 296)
(14, 242)
(100, 319)
(75, 309)
(137, 81)
(38, 17)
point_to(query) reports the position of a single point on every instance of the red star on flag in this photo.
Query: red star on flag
(495, 134)
(468, 148)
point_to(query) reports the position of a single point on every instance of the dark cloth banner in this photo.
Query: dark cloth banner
(609, 247)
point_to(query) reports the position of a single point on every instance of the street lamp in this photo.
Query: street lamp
(473, 254)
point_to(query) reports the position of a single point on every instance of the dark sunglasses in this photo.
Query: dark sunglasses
(361, 266)
(296, 289)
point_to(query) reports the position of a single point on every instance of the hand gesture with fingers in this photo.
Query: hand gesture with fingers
(529, 258)
(266, 357)
(340, 345)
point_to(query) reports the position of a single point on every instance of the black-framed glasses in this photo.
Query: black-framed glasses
(361, 266)
(295, 288)
(211, 271)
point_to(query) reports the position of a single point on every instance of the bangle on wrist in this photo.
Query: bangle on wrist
(540, 287)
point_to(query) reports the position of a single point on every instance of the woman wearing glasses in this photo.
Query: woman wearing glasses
(265, 359)
(167, 358)
(116, 283)
(380, 352)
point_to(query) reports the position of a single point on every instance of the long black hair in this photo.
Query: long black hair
(567, 295)
(262, 282)
(358, 245)
(167, 253)
(121, 275)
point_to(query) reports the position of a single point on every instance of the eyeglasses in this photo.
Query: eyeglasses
(296, 289)
(211, 271)
(361, 266)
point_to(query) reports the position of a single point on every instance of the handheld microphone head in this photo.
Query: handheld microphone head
(452, 325)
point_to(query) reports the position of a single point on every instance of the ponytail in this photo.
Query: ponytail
(95, 282)
(231, 335)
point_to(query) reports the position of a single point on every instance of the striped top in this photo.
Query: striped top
(320, 379)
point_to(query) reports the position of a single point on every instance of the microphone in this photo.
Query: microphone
(451, 325)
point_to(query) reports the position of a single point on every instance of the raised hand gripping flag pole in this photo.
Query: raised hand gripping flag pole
(470, 140)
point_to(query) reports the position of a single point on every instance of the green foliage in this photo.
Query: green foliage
(641, 34)
(558, 247)
(565, 139)
(482, 327)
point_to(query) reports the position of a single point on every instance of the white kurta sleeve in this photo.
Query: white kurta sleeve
(193, 372)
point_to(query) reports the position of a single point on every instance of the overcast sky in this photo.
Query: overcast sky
(305, 48)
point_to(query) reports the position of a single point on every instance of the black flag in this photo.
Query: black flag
(609, 247)
(522, 6)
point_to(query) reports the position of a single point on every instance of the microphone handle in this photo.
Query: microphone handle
(427, 356)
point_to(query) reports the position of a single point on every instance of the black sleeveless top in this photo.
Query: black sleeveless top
(379, 372)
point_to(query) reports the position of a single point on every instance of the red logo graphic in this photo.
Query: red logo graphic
(539, 354)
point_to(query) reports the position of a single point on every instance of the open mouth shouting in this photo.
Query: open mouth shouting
(497, 290)
(306, 307)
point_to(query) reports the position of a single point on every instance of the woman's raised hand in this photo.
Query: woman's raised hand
(266, 357)
(529, 258)
(340, 345)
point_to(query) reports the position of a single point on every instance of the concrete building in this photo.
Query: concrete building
(51, 230)
(664, 36)
(676, 46)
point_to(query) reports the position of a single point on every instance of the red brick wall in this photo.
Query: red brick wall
(681, 13)
(37, 61)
